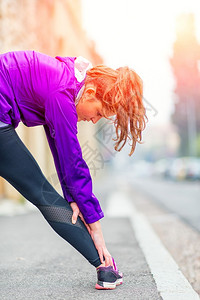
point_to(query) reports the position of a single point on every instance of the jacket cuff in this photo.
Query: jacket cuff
(94, 217)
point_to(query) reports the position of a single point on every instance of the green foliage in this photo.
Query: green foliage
(198, 144)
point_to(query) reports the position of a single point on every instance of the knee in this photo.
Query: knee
(49, 196)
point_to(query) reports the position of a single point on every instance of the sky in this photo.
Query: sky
(140, 34)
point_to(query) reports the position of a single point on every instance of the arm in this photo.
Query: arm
(93, 228)
(54, 152)
(98, 239)
(76, 211)
(74, 175)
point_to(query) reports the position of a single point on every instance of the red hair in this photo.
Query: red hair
(121, 94)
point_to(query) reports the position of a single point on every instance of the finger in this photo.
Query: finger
(81, 216)
(108, 259)
(110, 262)
(75, 216)
(75, 210)
(100, 252)
(83, 220)
(86, 225)
(101, 256)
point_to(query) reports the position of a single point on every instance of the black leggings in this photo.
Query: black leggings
(19, 168)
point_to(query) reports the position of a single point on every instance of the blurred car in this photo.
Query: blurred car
(185, 168)
(193, 169)
(162, 167)
(178, 169)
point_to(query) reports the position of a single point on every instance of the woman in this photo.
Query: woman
(57, 93)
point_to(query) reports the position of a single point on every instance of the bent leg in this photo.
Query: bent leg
(20, 169)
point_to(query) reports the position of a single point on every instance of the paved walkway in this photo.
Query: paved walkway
(35, 263)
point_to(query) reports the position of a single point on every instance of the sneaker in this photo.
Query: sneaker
(108, 277)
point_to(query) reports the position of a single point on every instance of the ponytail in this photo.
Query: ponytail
(121, 94)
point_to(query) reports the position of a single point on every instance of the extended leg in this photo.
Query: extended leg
(20, 169)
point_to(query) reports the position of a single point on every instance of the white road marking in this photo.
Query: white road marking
(171, 283)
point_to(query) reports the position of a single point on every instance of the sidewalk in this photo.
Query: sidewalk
(36, 263)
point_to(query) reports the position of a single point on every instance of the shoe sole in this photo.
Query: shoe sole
(101, 285)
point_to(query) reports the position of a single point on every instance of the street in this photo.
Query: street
(182, 198)
(37, 264)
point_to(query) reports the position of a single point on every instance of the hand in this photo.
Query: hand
(95, 231)
(76, 213)
(97, 237)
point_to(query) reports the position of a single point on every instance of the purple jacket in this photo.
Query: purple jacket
(40, 90)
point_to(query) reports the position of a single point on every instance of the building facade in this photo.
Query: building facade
(53, 27)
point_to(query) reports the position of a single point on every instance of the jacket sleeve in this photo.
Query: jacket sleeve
(73, 172)
(54, 152)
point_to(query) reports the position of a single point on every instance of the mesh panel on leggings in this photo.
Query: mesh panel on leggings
(58, 214)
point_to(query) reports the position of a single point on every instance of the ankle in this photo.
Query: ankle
(102, 265)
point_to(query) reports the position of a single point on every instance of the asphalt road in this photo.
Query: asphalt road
(182, 198)
(35, 263)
